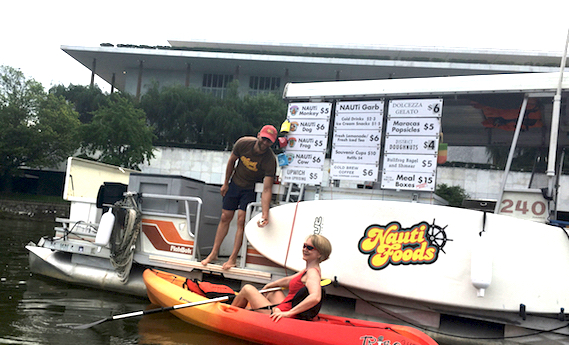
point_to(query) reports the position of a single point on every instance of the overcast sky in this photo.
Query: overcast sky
(32, 32)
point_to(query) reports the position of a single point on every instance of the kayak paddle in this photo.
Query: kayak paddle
(324, 282)
(157, 310)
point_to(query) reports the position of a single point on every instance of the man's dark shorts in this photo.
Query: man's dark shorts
(237, 197)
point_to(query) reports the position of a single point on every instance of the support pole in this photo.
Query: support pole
(139, 84)
(188, 71)
(93, 69)
(555, 125)
(511, 154)
(113, 84)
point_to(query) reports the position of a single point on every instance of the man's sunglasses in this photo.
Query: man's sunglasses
(306, 246)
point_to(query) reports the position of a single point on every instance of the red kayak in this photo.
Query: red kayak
(166, 290)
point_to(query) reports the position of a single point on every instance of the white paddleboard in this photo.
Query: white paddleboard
(423, 252)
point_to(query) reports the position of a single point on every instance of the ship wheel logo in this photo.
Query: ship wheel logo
(437, 236)
(392, 244)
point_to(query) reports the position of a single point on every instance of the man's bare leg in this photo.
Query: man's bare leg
(232, 261)
(221, 232)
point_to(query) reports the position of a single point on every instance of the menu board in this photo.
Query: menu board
(307, 139)
(357, 140)
(411, 144)
(407, 150)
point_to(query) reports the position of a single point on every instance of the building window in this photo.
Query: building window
(264, 85)
(216, 84)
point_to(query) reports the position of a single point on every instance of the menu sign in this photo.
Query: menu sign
(411, 144)
(416, 108)
(357, 140)
(414, 126)
(309, 111)
(410, 163)
(307, 140)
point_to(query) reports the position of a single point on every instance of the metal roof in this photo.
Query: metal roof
(306, 62)
(464, 122)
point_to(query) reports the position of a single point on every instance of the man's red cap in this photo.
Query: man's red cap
(269, 132)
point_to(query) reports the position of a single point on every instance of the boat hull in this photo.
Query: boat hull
(165, 289)
(388, 247)
(61, 266)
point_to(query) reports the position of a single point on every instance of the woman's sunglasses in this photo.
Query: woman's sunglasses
(306, 246)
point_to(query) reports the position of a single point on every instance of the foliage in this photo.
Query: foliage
(453, 194)
(181, 115)
(118, 134)
(86, 99)
(176, 112)
(37, 129)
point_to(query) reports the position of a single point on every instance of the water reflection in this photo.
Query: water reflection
(32, 307)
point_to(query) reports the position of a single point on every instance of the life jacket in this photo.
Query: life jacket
(209, 290)
(312, 312)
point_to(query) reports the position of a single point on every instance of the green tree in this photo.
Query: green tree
(189, 116)
(118, 134)
(86, 99)
(36, 129)
(453, 194)
(176, 112)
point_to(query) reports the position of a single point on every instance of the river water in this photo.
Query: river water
(32, 307)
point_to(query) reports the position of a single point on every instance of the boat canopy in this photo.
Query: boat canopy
(479, 110)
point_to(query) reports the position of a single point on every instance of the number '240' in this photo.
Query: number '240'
(537, 208)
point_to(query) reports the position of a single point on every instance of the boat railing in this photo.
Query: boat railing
(252, 209)
(187, 200)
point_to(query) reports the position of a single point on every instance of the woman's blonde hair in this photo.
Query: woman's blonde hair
(321, 244)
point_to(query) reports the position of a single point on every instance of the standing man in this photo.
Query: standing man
(256, 163)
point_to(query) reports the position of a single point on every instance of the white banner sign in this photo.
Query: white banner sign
(359, 115)
(413, 126)
(309, 127)
(359, 172)
(410, 163)
(302, 175)
(408, 180)
(309, 111)
(306, 143)
(370, 138)
(415, 108)
(359, 155)
(360, 107)
(413, 145)
(305, 159)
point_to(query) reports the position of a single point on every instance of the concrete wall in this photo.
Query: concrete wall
(209, 166)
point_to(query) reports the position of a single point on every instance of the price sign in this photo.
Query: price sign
(358, 172)
(359, 115)
(524, 204)
(360, 155)
(360, 107)
(305, 159)
(410, 163)
(408, 180)
(415, 108)
(414, 126)
(413, 145)
(306, 143)
(351, 122)
(309, 111)
(304, 175)
(309, 127)
(370, 137)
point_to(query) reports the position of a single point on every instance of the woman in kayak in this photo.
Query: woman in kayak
(316, 249)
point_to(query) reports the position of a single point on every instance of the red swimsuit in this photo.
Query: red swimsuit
(293, 287)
